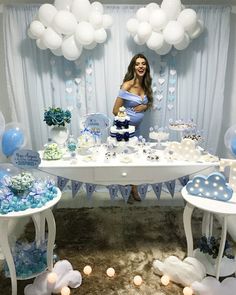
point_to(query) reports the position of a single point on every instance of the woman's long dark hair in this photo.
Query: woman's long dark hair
(147, 80)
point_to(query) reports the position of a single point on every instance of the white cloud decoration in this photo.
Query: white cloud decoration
(61, 277)
(68, 26)
(161, 27)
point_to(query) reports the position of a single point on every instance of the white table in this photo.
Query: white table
(139, 171)
(210, 207)
(39, 216)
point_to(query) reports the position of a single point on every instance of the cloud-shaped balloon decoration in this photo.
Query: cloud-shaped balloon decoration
(211, 286)
(61, 276)
(68, 26)
(213, 187)
(182, 272)
(185, 150)
(161, 27)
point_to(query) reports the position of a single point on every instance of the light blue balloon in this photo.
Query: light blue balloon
(12, 140)
(233, 146)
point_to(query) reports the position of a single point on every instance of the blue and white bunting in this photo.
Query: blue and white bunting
(113, 191)
(90, 188)
(171, 187)
(184, 180)
(61, 182)
(75, 186)
(157, 189)
(142, 189)
(125, 191)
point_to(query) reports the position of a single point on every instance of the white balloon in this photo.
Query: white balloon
(144, 31)
(138, 41)
(46, 14)
(173, 32)
(57, 52)
(84, 33)
(197, 30)
(164, 49)
(37, 28)
(107, 21)
(158, 19)
(142, 14)
(81, 9)
(40, 44)
(51, 39)
(152, 6)
(96, 19)
(188, 19)
(172, 8)
(100, 35)
(155, 41)
(70, 49)
(97, 6)
(62, 4)
(64, 22)
(132, 25)
(184, 43)
(90, 46)
(30, 34)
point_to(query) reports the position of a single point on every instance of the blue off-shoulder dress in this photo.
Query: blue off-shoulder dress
(130, 101)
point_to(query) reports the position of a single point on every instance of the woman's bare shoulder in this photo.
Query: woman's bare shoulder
(127, 85)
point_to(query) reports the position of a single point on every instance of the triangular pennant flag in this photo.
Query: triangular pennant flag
(90, 188)
(157, 189)
(75, 186)
(171, 187)
(113, 191)
(142, 189)
(125, 191)
(61, 182)
(184, 180)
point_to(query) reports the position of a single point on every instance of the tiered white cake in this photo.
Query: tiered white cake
(121, 131)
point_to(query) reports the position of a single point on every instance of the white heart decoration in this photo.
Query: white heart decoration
(172, 72)
(171, 89)
(159, 97)
(77, 80)
(170, 106)
(161, 80)
(69, 90)
(89, 71)
(154, 89)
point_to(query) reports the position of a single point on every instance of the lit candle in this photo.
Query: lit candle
(137, 280)
(52, 278)
(187, 291)
(87, 270)
(165, 280)
(110, 272)
(65, 291)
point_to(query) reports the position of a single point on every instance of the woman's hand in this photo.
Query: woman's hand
(140, 108)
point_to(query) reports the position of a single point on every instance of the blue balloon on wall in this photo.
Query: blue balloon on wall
(233, 146)
(12, 140)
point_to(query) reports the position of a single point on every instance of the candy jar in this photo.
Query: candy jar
(71, 144)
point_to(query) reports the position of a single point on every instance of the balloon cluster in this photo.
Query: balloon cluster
(161, 27)
(12, 136)
(68, 26)
(230, 140)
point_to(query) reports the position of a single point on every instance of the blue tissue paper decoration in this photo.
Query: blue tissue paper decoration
(213, 186)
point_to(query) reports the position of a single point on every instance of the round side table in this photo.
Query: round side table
(222, 267)
(39, 216)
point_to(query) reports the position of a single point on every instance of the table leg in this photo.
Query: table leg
(7, 253)
(205, 224)
(47, 214)
(222, 246)
(188, 210)
(39, 224)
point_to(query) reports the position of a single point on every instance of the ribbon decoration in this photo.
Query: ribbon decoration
(61, 182)
(90, 188)
(119, 124)
(113, 191)
(124, 136)
(157, 189)
(125, 191)
(75, 186)
(142, 189)
(171, 187)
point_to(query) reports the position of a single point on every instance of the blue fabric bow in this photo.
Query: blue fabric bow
(124, 136)
(119, 124)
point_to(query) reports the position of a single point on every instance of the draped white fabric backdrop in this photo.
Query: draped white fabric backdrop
(38, 79)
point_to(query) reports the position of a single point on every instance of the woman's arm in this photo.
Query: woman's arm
(118, 103)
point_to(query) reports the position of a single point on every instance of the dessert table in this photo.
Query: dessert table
(39, 216)
(133, 168)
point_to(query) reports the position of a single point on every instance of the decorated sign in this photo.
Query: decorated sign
(26, 159)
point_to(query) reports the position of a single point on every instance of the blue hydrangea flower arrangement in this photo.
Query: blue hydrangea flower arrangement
(57, 117)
